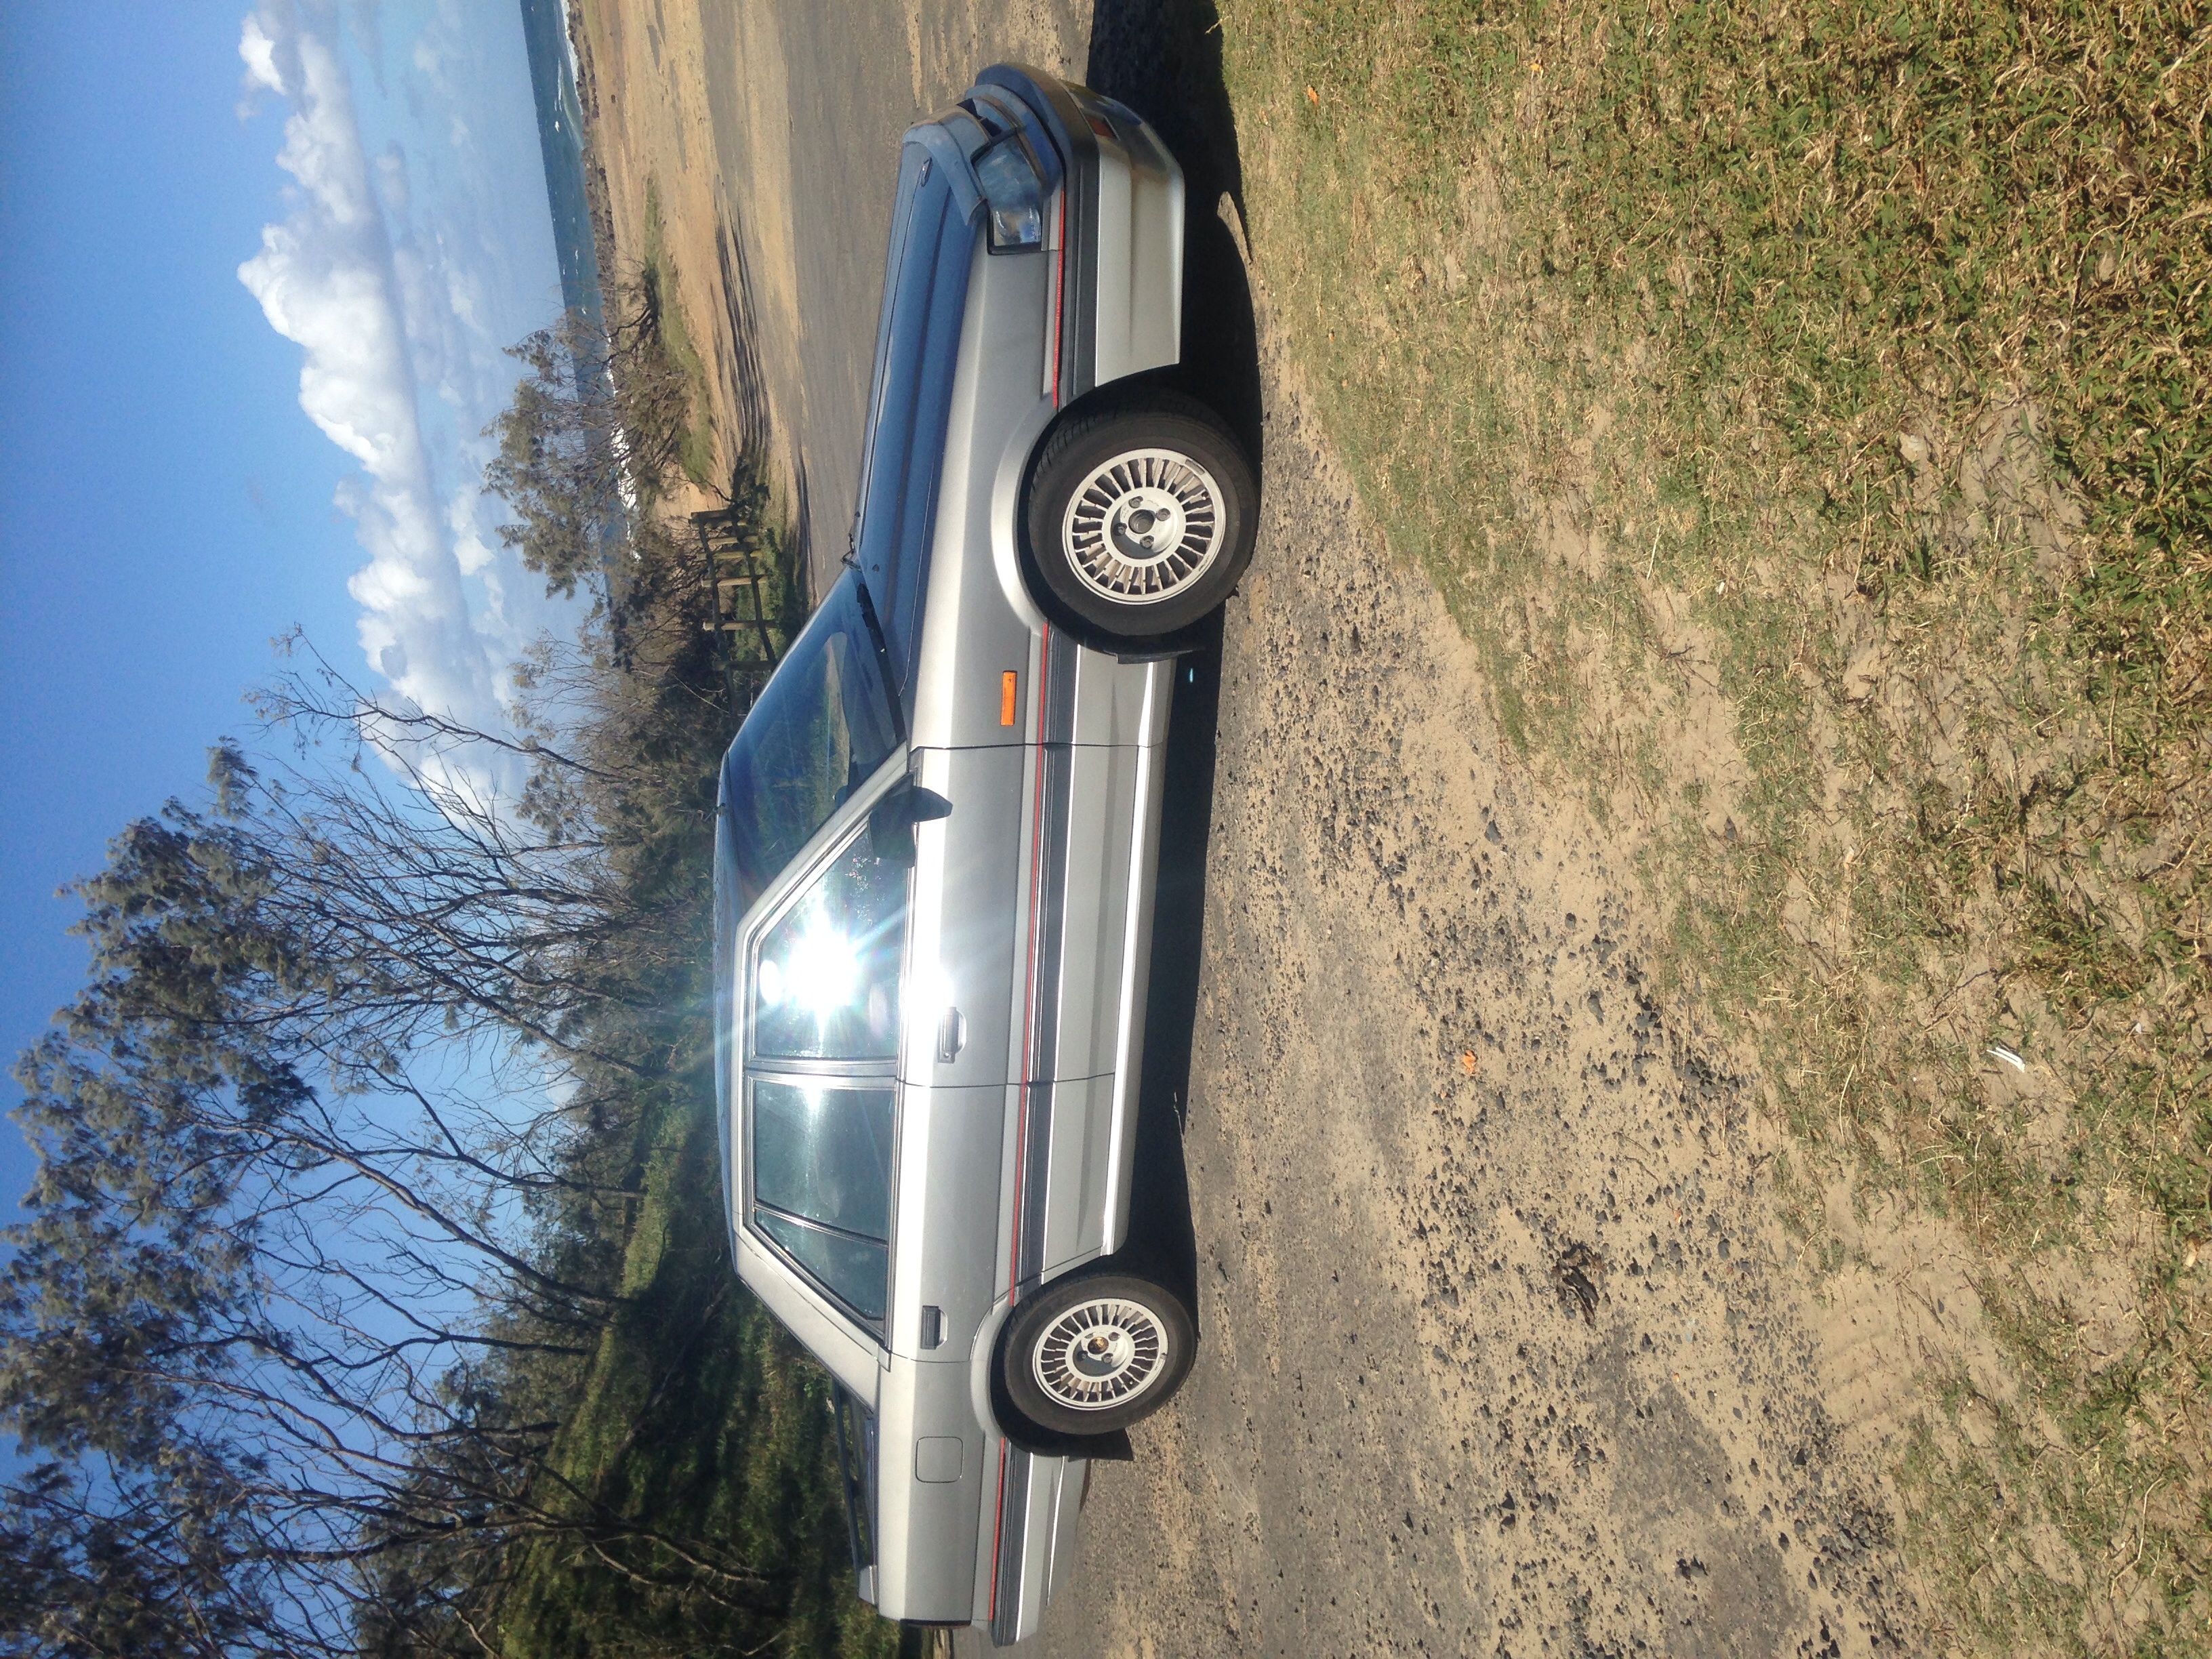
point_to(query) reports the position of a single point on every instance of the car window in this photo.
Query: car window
(826, 985)
(821, 1171)
(909, 406)
(823, 723)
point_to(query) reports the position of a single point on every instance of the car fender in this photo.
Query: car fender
(1137, 300)
(1122, 235)
(1009, 482)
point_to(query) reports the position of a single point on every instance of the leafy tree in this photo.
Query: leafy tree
(594, 430)
(262, 1255)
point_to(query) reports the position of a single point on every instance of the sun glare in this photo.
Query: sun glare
(824, 971)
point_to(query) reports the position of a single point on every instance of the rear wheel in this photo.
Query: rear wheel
(1095, 1353)
(1140, 518)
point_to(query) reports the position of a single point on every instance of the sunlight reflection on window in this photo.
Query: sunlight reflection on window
(824, 972)
(826, 985)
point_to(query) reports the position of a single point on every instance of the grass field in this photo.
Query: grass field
(1805, 412)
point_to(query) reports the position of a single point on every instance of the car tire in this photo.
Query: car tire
(1140, 517)
(1095, 1353)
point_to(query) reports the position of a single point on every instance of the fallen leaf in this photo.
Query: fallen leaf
(1467, 1062)
(1312, 97)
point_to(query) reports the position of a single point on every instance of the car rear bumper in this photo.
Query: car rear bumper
(1120, 233)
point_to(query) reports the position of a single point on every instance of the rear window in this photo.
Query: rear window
(909, 406)
(821, 1171)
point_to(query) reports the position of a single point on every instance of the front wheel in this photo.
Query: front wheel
(1095, 1353)
(1140, 518)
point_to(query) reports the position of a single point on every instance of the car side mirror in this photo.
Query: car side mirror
(890, 826)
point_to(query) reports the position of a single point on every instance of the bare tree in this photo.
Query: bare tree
(337, 1148)
(386, 1050)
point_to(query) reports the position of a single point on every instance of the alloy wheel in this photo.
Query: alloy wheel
(1099, 1353)
(1143, 526)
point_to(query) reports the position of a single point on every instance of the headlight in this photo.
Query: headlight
(1015, 192)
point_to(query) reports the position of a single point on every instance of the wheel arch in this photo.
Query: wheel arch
(994, 1407)
(1148, 389)
(1109, 1441)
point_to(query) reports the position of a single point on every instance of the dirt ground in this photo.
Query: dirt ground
(768, 133)
(1503, 1348)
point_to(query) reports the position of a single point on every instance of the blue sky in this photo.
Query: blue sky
(180, 483)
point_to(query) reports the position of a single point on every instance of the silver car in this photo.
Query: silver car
(935, 856)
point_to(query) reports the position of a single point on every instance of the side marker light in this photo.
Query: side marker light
(1006, 682)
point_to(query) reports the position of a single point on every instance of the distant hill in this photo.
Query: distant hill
(561, 140)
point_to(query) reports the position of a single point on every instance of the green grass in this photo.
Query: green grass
(1663, 338)
(699, 1419)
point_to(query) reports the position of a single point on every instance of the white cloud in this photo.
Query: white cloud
(471, 550)
(382, 315)
(259, 52)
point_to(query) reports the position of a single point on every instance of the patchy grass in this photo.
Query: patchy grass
(696, 454)
(1804, 411)
(692, 1499)
(700, 1420)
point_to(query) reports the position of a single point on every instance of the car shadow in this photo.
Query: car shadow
(1163, 58)
(1161, 1239)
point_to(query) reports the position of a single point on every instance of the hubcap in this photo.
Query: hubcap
(1143, 526)
(1099, 1353)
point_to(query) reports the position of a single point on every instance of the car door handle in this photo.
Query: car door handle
(952, 1035)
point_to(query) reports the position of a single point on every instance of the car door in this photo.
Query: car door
(820, 1102)
(955, 1067)
(953, 1103)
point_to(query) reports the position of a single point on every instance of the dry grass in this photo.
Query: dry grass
(1805, 410)
(657, 279)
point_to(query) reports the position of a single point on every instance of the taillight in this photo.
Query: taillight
(1015, 192)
